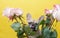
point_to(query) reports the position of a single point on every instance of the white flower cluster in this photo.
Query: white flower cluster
(10, 12)
(55, 12)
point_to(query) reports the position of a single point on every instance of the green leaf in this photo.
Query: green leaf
(47, 21)
(20, 33)
(37, 27)
(53, 34)
(46, 32)
(32, 33)
(42, 22)
(16, 26)
(40, 36)
(28, 30)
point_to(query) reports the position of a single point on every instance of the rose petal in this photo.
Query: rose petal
(56, 12)
(57, 6)
(7, 13)
(17, 11)
(48, 11)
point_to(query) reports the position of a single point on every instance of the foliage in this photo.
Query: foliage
(31, 30)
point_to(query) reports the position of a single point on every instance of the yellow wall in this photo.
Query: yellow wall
(35, 7)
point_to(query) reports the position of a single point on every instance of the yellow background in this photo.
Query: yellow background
(35, 7)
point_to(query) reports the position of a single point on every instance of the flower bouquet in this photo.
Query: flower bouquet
(31, 30)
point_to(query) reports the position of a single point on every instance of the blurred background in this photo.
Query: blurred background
(34, 7)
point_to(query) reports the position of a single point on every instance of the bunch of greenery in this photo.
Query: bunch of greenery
(31, 30)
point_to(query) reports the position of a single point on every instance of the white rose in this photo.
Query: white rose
(10, 12)
(17, 11)
(6, 12)
(56, 12)
(48, 11)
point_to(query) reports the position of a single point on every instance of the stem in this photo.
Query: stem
(24, 31)
(16, 19)
(23, 26)
(56, 22)
(21, 19)
(42, 30)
